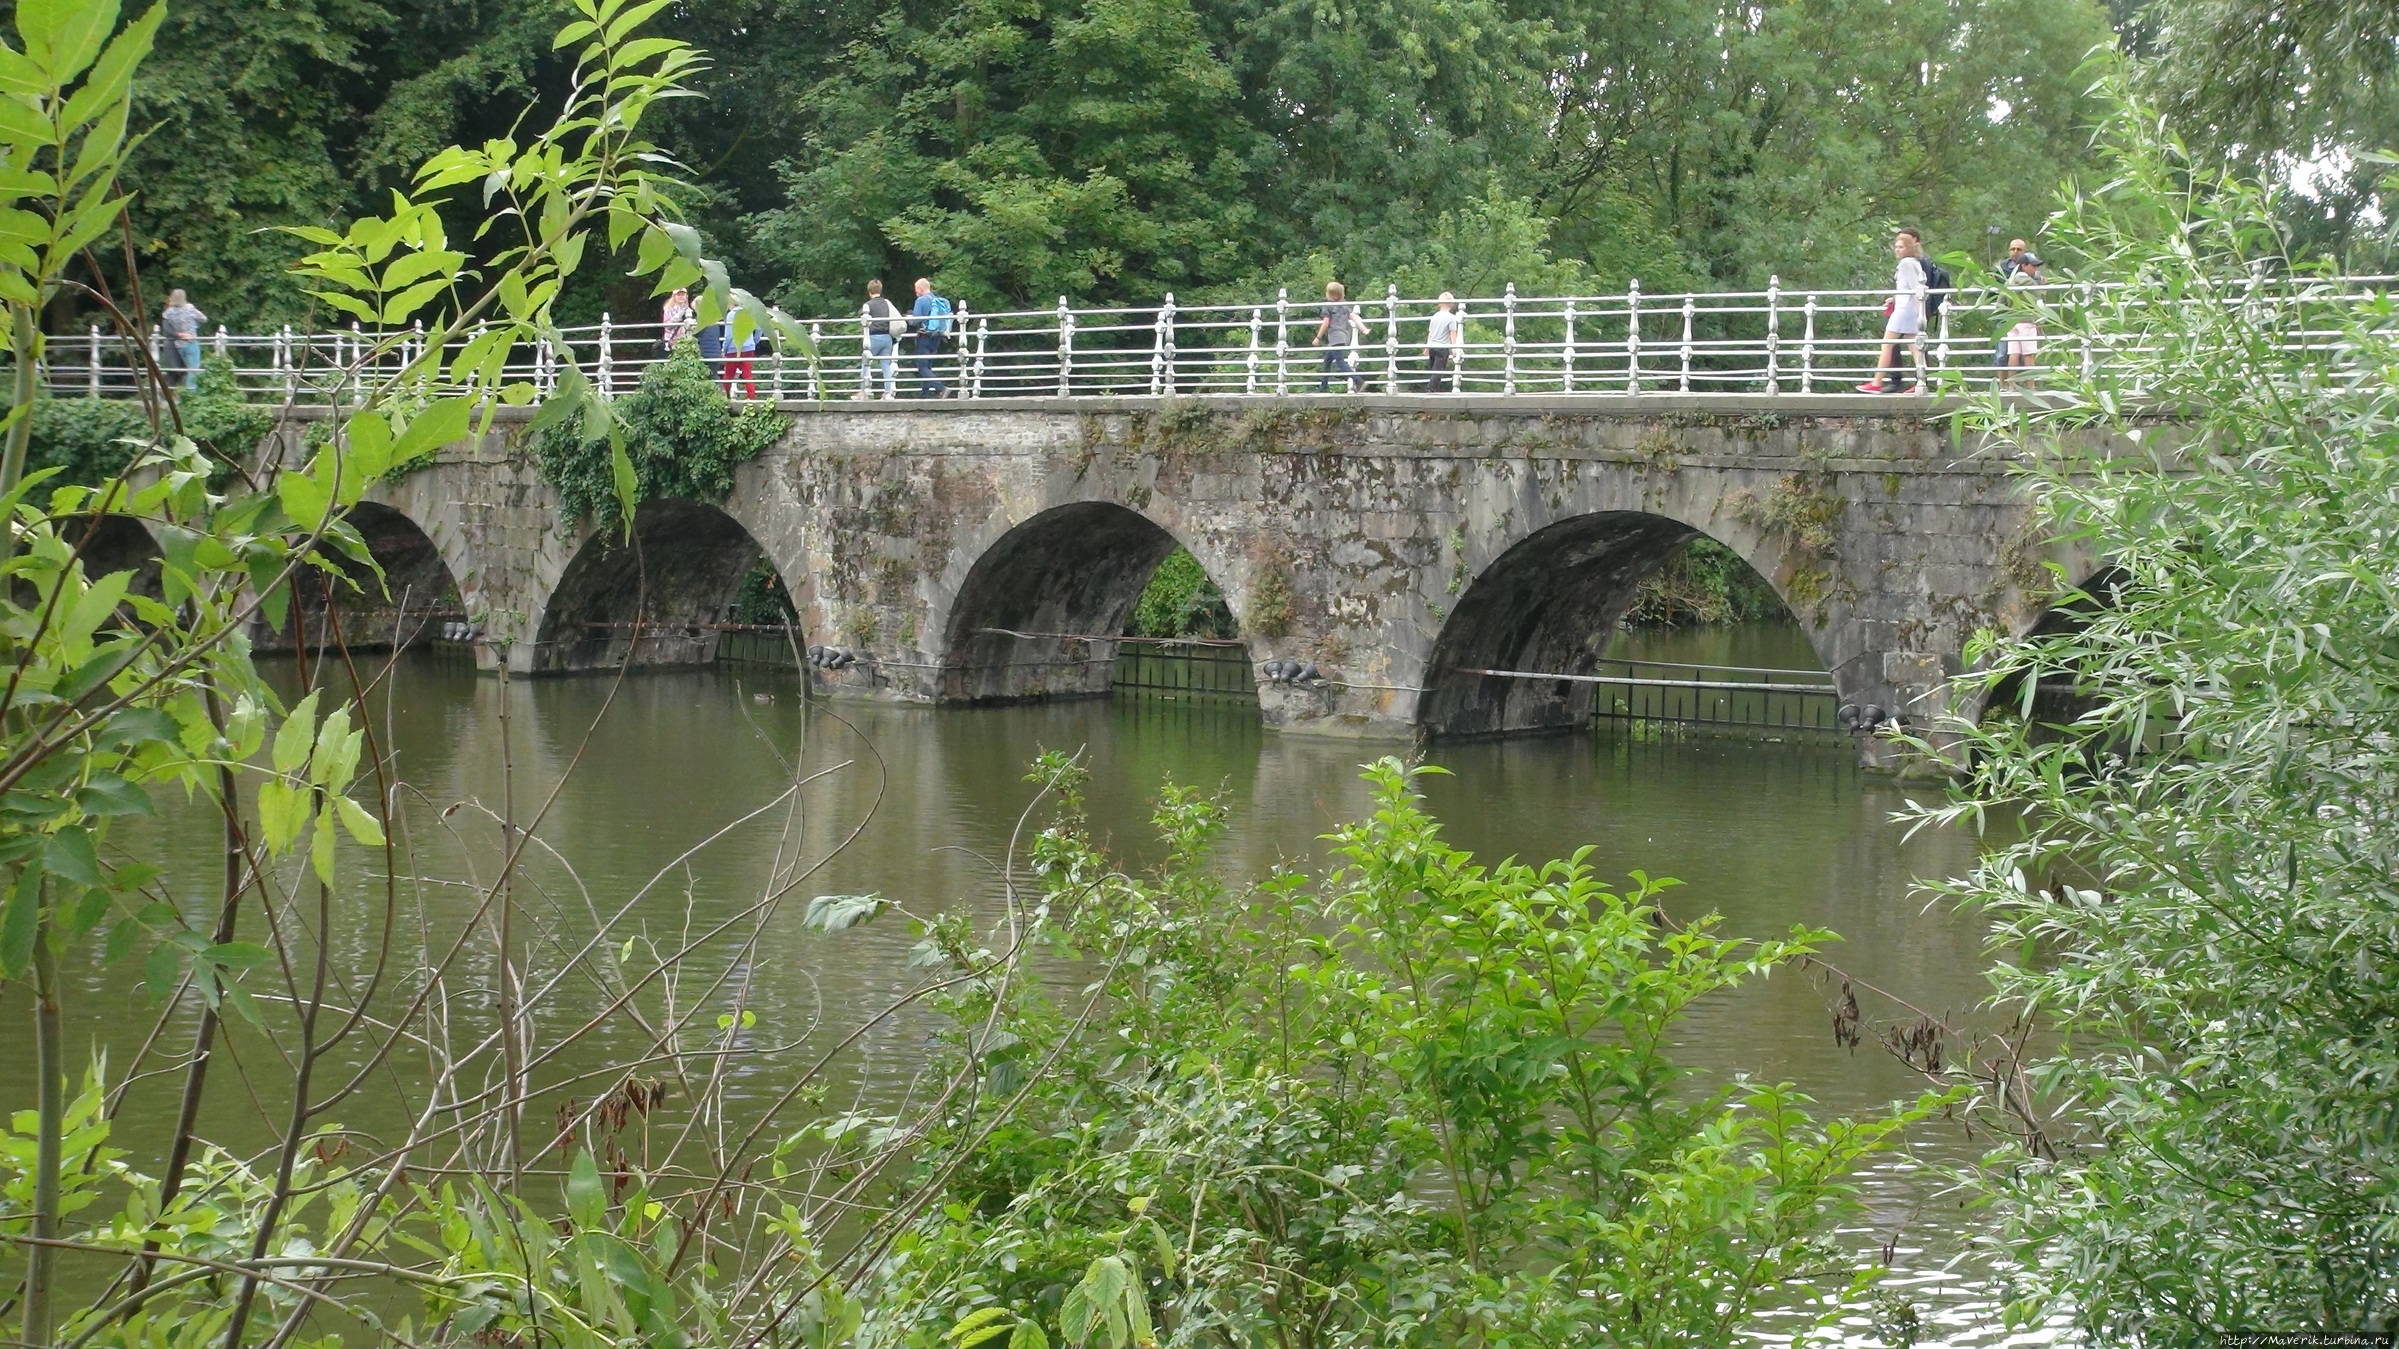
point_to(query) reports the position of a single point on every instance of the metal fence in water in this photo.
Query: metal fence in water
(1715, 695)
(1186, 671)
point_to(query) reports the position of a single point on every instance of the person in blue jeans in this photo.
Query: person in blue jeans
(930, 321)
(180, 325)
(884, 324)
(1335, 332)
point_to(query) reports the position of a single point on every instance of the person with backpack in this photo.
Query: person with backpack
(884, 323)
(930, 321)
(1918, 287)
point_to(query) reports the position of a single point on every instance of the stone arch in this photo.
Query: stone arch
(1551, 603)
(678, 576)
(417, 592)
(1071, 569)
(120, 543)
(2068, 614)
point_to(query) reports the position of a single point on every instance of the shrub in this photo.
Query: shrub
(683, 435)
(2211, 925)
(1181, 601)
(1706, 582)
(93, 439)
(1422, 1102)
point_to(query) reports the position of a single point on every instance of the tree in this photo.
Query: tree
(2202, 900)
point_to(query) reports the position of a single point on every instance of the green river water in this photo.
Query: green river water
(1769, 832)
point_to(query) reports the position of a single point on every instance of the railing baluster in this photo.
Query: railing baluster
(1566, 357)
(1774, 334)
(1282, 340)
(1507, 383)
(982, 348)
(1690, 309)
(1166, 340)
(91, 374)
(1157, 348)
(1391, 338)
(1632, 336)
(1941, 348)
(1807, 349)
(816, 343)
(607, 356)
(1066, 345)
(1257, 325)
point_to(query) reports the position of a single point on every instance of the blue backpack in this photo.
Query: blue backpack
(939, 320)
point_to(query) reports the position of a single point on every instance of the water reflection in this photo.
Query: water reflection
(670, 772)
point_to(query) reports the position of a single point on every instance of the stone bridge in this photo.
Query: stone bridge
(1395, 542)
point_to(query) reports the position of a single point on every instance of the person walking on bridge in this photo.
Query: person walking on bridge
(674, 321)
(741, 361)
(1334, 332)
(930, 320)
(884, 324)
(1444, 337)
(1903, 324)
(180, 324)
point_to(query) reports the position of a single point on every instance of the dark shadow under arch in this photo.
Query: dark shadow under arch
(2056, 701)
(1551, 605)
(693, 559)
(405, 605)
(1075, 569)
(119, 543)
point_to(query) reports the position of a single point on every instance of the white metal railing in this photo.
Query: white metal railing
(1774, 341)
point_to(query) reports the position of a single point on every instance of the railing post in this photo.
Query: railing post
(1690, 311)
(1257, 325)
(1941, 349)
(1566, 356)
(1391, 338)
(1632, 336)
(866, 365)
(417, 343)
(982, 347)
(816, 378)
(221, 343)
(2090, 358)
(963, 329)
(1282, 340)
(782, 357)
(1167, 342)
(1774, 334)
(1507, 382)
(91, 373)
(607, 356)
(1066, 345)
(156, 351)
(291, 365)
(1807, 349)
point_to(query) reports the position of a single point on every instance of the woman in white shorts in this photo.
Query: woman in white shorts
(1904, 326)
(2023, 341)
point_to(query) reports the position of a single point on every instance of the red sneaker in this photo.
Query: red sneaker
(1874, 387)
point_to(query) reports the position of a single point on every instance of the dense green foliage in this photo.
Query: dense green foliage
(1705, 582)
(682, 434)
(1119, 149)
(1181, 601)
(1423, 1101)
(90, 440)
(2212, 924)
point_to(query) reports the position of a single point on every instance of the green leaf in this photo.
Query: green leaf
(1029, 1335)
(586, 1197)
(238, 955)
(362, 826)
(297, 735)
(320, 849)
(109, 794)
(620, 469)
(304, 499)
(159, 970)
(69, 856)
(442, 423)
(20, 923)
(833, 913)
